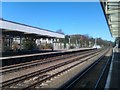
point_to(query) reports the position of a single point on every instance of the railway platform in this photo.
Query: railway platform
(113, 79)
(30, 57)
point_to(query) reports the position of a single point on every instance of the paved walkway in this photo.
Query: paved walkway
(113, 80)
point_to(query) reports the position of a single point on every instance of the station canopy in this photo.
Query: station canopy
(10, 27)
(111, 10)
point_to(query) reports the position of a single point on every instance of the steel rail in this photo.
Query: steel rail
(38, 72)
(70, 84)
(101, 75)
(38, 62)
(47, 78)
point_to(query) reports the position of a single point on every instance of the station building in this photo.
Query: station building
(15, 33)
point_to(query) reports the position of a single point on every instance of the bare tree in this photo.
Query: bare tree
(60, 31)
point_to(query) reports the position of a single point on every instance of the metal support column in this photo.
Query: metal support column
(20, 42)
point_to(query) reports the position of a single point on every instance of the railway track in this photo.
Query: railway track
(37, 71)
(41, 76)
(21, 66)
(93, 77)
(59, 71)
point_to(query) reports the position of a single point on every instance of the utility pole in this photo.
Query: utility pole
(95, 45)
(95, 41)
(76, 44)
(69, 42)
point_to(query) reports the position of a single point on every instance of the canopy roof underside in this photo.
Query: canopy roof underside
(111, 10)
(13, 28)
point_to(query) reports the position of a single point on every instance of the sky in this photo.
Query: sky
(71, 17)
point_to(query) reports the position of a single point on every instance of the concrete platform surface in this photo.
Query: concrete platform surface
(113, 80)
(45, 52)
